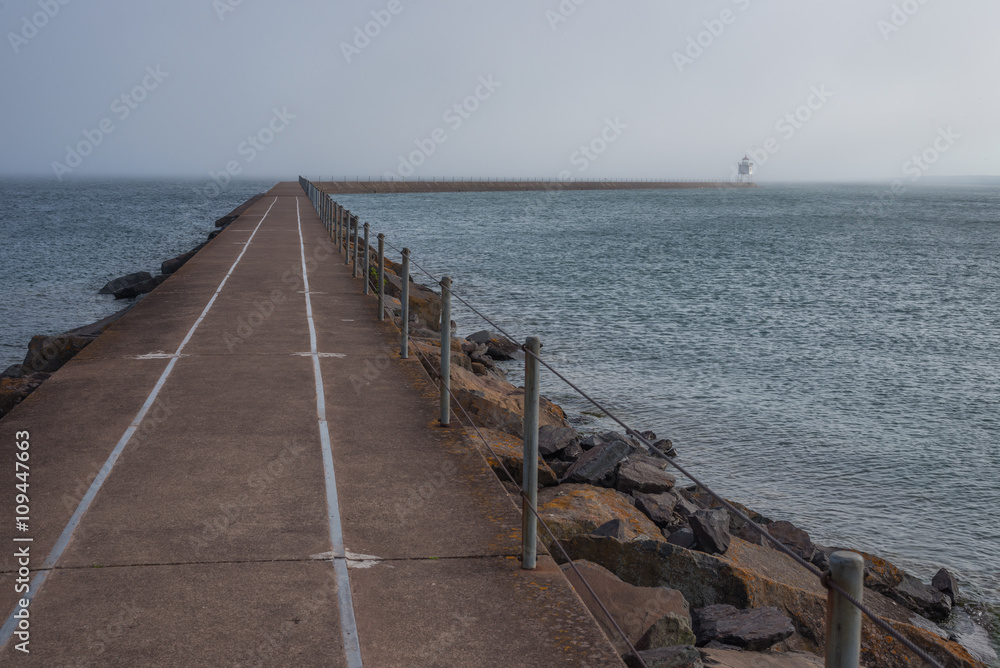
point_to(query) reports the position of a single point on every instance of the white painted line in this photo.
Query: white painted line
(348, 624)
(156, 356)
(354, 560)
(67, 533)
(337, 355)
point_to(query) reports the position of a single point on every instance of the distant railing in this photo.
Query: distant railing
(844, 580)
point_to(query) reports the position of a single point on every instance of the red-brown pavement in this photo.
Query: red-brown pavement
(209, 541)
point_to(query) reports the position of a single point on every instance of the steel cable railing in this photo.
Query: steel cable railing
(534, 511)
(774, 542)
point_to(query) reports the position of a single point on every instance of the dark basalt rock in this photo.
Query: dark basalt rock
(678, 656)
(795, 539)
(597, 466)
(657, 507)
(612, 529)
(682, 538)
(551, 440)
(143, 288)
(47, 354)
(641, 476)
(122, 284)
(14, 390)
(498, 346)
(755, 630)
(946, 583)
(711, 528)
(173, 264)
(14, 371)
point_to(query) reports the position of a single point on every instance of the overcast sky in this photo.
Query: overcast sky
(846, 90)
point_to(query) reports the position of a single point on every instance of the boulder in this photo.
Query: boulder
(613, 529)
(552, 439)
(793, 538)
(490, 400)
(560, 468)
(591, 441)
(498, 346)
(640, 476)
(142, 288)
(755, 630)
(14, 390)
(238, 211)
(946, 583)
(917, 596)
(649, 616)
(598, 465)
(122, 282)
(750, 576)
(571, 452)
(711, 529)
(509, 451)
(682, 538)
(898, 585)
(678, 656)
(685, 509)
(655, 461)
(723, 658)
(46, 354)
(14, 371)
(574, 510)
(666, 446)
(168, 267)
(657, 507)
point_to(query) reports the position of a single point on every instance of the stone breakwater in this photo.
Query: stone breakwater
(48, 353)
(512, 185)
(688, 582)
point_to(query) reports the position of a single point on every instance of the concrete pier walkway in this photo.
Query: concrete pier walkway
(241, 471)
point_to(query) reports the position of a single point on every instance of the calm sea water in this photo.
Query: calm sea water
(62, 242)
(825, 354)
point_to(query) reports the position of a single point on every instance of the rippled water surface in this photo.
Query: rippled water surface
(819, 358)
(61, 243)
(812, 355)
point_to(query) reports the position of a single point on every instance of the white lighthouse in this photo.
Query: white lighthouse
(744, 171)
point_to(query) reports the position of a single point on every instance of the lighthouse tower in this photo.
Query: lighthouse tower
(744, 172)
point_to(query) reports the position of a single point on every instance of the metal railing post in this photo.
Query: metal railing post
(843, 619)
(529, 472)
(368, 261)
(347, 236)
(356, 221)
(445, 351)
(404, 324)
(338, 225)
(381, 277)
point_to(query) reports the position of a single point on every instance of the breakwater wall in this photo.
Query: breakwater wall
(607, 499)
(512, 185)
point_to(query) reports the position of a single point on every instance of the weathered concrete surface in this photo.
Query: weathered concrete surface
(205, 546)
